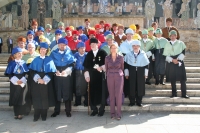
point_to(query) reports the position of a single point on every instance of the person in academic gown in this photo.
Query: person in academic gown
(81, 84)
(120, 37)
(42, 70)
(108, 43)
(175, 68)
(148, 47)
(16, 71)
(82, 36)
(1, 44)
(99, 35)
(28, 58)
(136, 70)
(30, 37)
(48, 34)
(159, 44)
(72, 43)
(64, 61)
(95, 76)
(58, 35)
(125, 48)
(61, 26)
(68, 31)
(151, 33)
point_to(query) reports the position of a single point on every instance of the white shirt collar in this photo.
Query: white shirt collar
(116, 31)
(95, 52)
(81, 54)
(159, 38)
(42, 57)
(145, 40)
(173, 41)
(61, 52)
(18, 61)
(120, 36)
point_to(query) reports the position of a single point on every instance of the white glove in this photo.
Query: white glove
(149, 54)
(14, 80)
(36, 77)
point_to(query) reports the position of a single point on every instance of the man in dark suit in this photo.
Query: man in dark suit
(1, 44)
(10, 44)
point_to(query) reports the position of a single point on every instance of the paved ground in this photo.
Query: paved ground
(80, 122)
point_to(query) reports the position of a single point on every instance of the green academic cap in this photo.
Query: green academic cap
(109, 36)
(158, 31)
(144, 32)
(48, 26)
(172, 32)
(151, 29)
(60, 24)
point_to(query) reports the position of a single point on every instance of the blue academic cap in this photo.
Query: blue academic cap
(107, 33)
(30, 32)
(63, 40)
(80, 28)
(58, 31)
(80, 44)
(44, 45)
(41, 28)
(16, 50)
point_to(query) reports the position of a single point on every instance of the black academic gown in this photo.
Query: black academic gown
(174, 72)
(160, 62)
(16, 91)
(98, 84)
(42, 95)
(136, 79)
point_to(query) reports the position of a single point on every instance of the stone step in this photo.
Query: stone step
(189, 80)
(4, 79)
(167, 86)
(149, 93)
(1, 74)
(146, 108)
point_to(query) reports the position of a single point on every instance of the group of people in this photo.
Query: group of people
(103, 64)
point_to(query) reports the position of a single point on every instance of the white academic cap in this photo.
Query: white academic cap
(136, 42)
(129, 31)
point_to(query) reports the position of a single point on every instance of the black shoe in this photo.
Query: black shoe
(55, 114)
(157, 83)
(76, 104)
(101, 113)
(172, 96)
(139, 104)
(186, 96)
(131, 104)
(68, 114)
(94, 113)
(162, 83)
(43, 119)
(148, 83)
(16, 117)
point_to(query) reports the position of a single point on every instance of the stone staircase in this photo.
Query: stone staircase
(157, 98)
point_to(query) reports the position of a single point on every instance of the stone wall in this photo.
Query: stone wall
(190, 37)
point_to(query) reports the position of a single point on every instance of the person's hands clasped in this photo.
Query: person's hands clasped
(19, 82)
(40, 81)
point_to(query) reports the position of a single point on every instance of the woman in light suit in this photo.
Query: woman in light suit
(114, 64)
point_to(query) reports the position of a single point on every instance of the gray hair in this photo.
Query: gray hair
(32, 44)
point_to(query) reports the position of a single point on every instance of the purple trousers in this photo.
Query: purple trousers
(115, 87)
